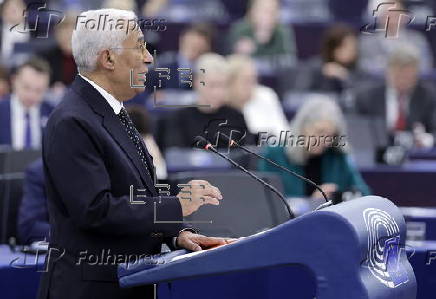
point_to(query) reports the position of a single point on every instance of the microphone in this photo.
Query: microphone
(202, 143)
(234, 143)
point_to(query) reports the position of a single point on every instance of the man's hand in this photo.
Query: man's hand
(328, 189)
(195, 242)
(200, 193)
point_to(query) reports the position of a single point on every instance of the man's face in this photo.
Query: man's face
(265, 14)
(193, 45)
(403, 78)
(30, 86)
(214, 91)
(131, 66)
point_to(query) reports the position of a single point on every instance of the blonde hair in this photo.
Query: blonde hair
(212, 63)
(237, 62)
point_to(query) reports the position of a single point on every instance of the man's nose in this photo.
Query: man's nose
(148, 58)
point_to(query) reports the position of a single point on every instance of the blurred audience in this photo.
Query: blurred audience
(321, 156)
(194, 41)
(12, 32)
(261, 35)
(335, 71)
(33, 223)
(60, 56)
(24, 113)
(212, 114)
(259, 104)
(389, 32)
(142, 122)
(4, 83)
(184, 10)
(403, 100)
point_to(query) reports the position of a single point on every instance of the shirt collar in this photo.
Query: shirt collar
(114, 103)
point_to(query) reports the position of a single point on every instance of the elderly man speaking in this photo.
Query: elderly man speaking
(96, 166)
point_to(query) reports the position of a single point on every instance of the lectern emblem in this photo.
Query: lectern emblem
(384, 248)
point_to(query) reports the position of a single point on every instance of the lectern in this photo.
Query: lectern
(355, 249)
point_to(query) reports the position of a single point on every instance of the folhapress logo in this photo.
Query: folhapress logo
(33, 14)
(388, 18)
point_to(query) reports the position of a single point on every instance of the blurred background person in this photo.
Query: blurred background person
(184, 10)
(12, 14)
(33, 224)
(335, 71)
(60, 56)
(327, 163)
(261, 34)
(141, 121)
(259, 104)
(186, 123)
(4, 83)
(24, 113)
(378, 39)
(403, 101)
(194, 41)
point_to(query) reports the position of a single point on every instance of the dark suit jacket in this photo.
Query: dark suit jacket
(5, 119)
(33, 214)
(90, 166)
(422, 105)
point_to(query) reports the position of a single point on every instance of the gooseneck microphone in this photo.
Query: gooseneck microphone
(202, 143)
(234, 143)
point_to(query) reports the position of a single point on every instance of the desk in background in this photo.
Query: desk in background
(409, 185)
(19, 274)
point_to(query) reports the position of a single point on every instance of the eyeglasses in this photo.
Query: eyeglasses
(141, 47)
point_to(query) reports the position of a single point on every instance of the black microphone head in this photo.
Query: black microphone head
(223, 137)
(200, 142)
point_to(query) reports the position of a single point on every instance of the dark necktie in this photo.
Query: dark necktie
(27, 131)
(135, 137)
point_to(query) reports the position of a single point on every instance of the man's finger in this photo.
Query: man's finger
(208, 241)
(212, 191)
(190, 245)
(210, 200)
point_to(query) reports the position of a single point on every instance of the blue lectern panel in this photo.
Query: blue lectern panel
(355, 250)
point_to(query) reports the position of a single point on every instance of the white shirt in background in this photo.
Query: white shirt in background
(392, 107)
(264, 113)
(18, 124)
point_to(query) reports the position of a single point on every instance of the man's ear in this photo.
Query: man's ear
(107, 60)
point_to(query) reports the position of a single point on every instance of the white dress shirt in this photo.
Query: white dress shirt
(114, 103)
(18, 124)
(392, 107)
(264, 113)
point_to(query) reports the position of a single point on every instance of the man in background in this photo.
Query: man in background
(403, 101)
(24, 113)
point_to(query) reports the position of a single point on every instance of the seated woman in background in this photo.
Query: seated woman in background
(335, 71)
(315, 148)
(259, 104)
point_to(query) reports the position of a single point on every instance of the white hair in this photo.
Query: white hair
(317, 107)
(98, 30)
